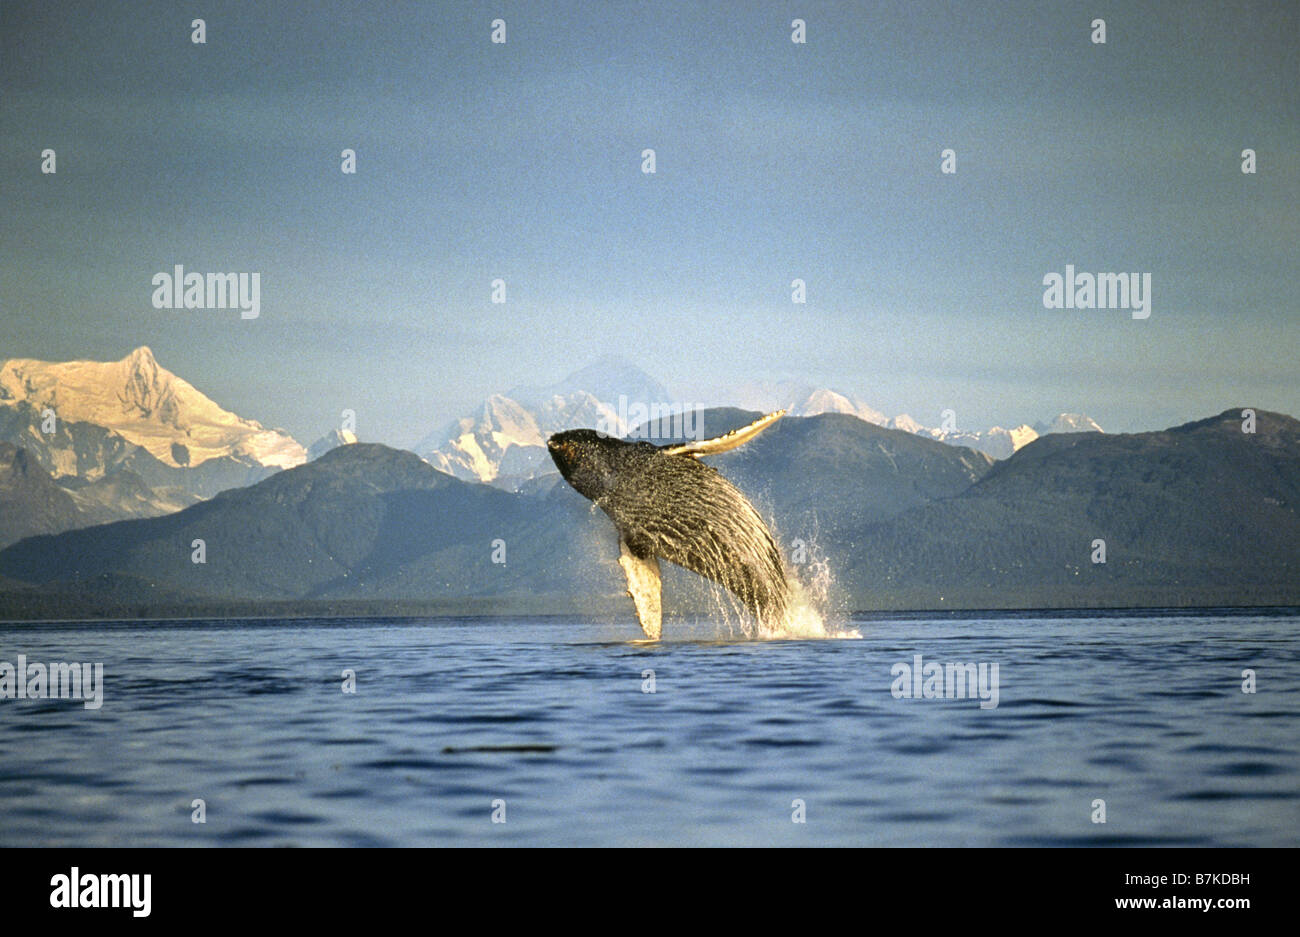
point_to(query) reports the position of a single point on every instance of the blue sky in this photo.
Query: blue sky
(774, 161)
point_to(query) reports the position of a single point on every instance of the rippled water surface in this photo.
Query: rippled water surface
(552, 718)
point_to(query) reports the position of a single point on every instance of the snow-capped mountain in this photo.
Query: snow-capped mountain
(996, 441)
(146, 405)
(89, 419)
(604, 381)
(331, 440)
(1069, 423)
(504, 443)
(829, 401)
(473, 448)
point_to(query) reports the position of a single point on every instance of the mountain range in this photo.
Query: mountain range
(111, 472)
(503, 443)
(1199, 514)
(85, 421)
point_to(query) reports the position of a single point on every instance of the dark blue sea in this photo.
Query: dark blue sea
(555, 732)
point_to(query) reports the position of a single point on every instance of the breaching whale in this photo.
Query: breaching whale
(665, 504)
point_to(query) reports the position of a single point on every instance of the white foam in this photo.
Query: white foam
(808, 614)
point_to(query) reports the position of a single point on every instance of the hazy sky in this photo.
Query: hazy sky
(774, 161)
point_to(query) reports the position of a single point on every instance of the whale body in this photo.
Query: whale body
(667, 505)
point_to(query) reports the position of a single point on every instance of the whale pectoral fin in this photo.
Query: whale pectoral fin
(644, 587)
(725, 442)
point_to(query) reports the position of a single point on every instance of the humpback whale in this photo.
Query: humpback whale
(667, 505)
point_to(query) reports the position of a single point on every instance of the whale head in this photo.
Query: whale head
(588, 460)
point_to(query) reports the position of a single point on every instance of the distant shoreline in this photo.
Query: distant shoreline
(325, 612)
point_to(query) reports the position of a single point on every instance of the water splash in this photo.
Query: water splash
(809, 614)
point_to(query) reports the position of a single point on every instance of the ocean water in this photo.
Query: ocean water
(547, 725)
